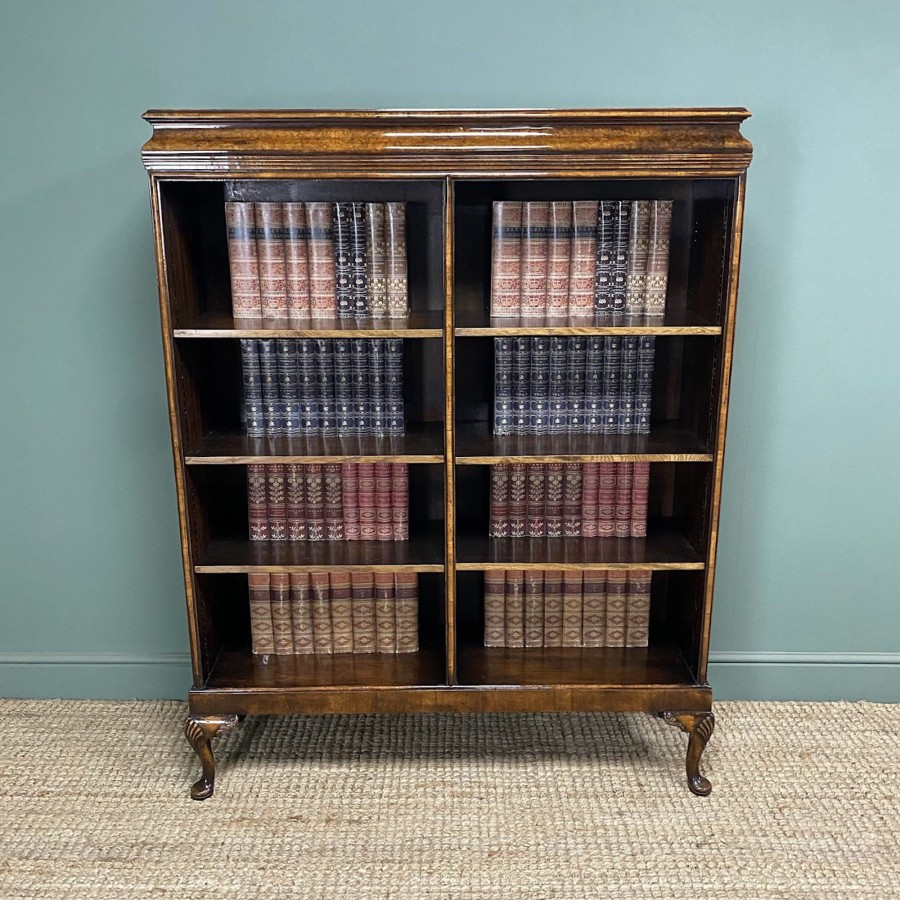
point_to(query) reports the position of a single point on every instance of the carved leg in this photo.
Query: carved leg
(199, 731)
(699, 726)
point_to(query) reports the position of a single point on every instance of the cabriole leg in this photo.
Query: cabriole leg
(699, 728)
(199, 731)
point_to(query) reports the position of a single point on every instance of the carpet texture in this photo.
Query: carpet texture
(94, 804)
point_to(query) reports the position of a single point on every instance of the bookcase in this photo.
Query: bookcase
(449, 168)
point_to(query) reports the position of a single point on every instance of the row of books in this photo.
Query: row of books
(569, 500)
(338, 612)
(580, 258)
(292, 262)
(328, 502)
(573, 385)
(552, 608)
(344, 386)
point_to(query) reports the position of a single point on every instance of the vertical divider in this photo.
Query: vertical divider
(449, 440)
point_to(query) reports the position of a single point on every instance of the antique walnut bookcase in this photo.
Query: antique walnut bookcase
(449, 166)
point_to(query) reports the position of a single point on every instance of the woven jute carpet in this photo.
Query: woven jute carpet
(94, 804)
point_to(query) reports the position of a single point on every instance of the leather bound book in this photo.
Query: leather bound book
(333, 501)
(289, 385)
(536, 500)
(503, 390)
(393, 386)
(400, 501)
(593, 385)
(407, 588)
(363, 592)
(296, 259)
(301, 613)
(282, 627)
(395, 259)
(518, 493)
(555, 502)
(270, 234)
(628, 384)
(315, 502)
(584, 259)
(307, 388)
(376, 260)
(643, 400)
(350, 501)
(558, 258)
(253, 413)
(384, 529)
(624, 485)
(325, 386)
(521, 384)
(558, 422)
(637, 613)
(377, 387)
(323, 304)
(262, 638)
(499, 507)
(345, 408)
(273, 408)
(640, 496)
(341, 612)
(553, 608)
(590, 499)
(359, 363)
(622, 229)
(593, 623)
(573, 478)
(616, 606)
(638, 244)
(276, 503)
(612, 378)
(295, 502)
(494, 608)
(534, 608)
(576, 358)
(535, 239)
(385, 613)
(572, 611)
(256, 503)
(658, 258)
(320, 603)
(606, 501)
(343, 274)
(243, 263)
(515, 608)
(359, 266)
(506, 259)
(366, 477)
(606, 239)
(539, 401)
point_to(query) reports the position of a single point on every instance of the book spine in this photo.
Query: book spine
(593, 386)
(499, 507)
(572, 613)
(341, 612)
(518, 504)
(539, 403)
(325, 386)
(553, 608)
(333, 501)
(321, 260)
(315, 502)
(344, 407)
(296, 258)
(637, 613)
(555, 505)
(384, 529)
(535, 238)
(395, 259)
(624, 485)
(536, 500)
(558, 422)
(590, 499)
(584, 258)
(350, 500)
(393, 386)
(593, 625)
(256, 503)
(515, 608)
(301, 613)
(622, 229)
(616, 606)
(643, 401)
(262, 637)
(273, 408)
(295, 502)
(573, 477)
(365, 473)
(385, 613)
(270, 234)
(503, 387)
(362, 586)
(400, 501)
(558, 258)
(658, 258)
(494, 608)
(506, 259)
(282, 627)
(576, 361)
(521, 384)
(628, 384)
(359, 262)
(534, 608)
(606, 501)
(276, 507)
(359, 363)
(603, 284)
(306, 386)
(320, 606)
(289, 385)
(376, 260)
(407, 623)
(640, 498)
(638, 242)
(243, 262)
(377, 396)
(253, 413)
(343, 269)
(611, 380)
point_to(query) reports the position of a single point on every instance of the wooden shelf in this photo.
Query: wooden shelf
(418, 324)
(667, 442)
(665, 547)
(422, 443)
(656, 665)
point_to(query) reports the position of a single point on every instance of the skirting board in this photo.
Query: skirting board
(734, 675)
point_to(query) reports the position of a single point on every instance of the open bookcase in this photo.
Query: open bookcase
(449, 168)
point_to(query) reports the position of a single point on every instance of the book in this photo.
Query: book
(590, 499)
(572, 612)
(621, 231)
(643, 400)
(333, 500)
(384, 528)
(535, 238)
(320, 607)
(515, 607)
(640, 496)
(506, 258)
(345, 408)
(350, 501)
(243, 263)
(385, 613)
(341, 612)
(400, 501)
(307, 390)
(539, 386)
(327, 411)
(301, 613)
(273, 408)
(366, 479)
(503, 388)
(321, 260)
(558, 420)
(606, 500)
(658, 258)
(593, 622)
(555, 500)
(518, 502)
(359, 369)
(315, 503)
(637, 613)
(494, 608)
(636, 271)
(611, 382)
(576, 360)
(270, 234)
(296, 260)
(593, 385)
(534, 608)
(253, 414)
(393, 386)
(628, 384)
(573, 486)
(616, 606)
(407, 607)
(395, 259)
(376, 260)
(343, 277)
(559, 254)
(359, 266)
(553, 608)
(536, 499)
(521, 384)
(276, 510)
(257, 514)
(624, 485)
(362, 585)
(377, 388)
(603, 283)
(584, 258)
(262, 638)
(499, 501)
(282, 627)
(295, 502)
(289, 386)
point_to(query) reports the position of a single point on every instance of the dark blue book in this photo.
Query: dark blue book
(593, 386)
(606, 229)
(644, 389)
(539, 415)
(620, 257)
(628, 384)
(343, 387)
(377, 385)
(558, 422)
(576, 362)
(307, 393)
(273, 409)
(503, 393)
(521, 384)
(343, 267)
(393, 386)
(252, 415)
(289, 384)
(325, 386)
(612, 370)
(359, 360)
(359, 278)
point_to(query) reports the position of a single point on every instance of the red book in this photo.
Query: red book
(333, 499)
(315, 502)
(637, 614)
(243, 262)
(366, 477)
(536, 499)
(282, 629)
(341, 612)
(350, 500)
(499, 516)
(321, 613)
(553, 608)
(616, 606)
(535, 233)
(606, 505)
(323, 303)
(362, 586)
(572, 491)
(276, 503)
(624, 484)
(555, 500)
(506, 258)
(590, 499)
(534, 608)
(256, 503)
(384, 528)
(296, 258)
(494, 608)
(400, 501)
(515, 608)
(640, 497)
(301, 613)
(262, 638)
(385, 613)
(518, 477)
(407, 605)
(584, 258)
(558, 258)
(272, 270)
(593, 617)
(295, 502)
(571, 624)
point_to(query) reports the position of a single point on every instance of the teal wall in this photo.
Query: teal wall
(90, 594)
